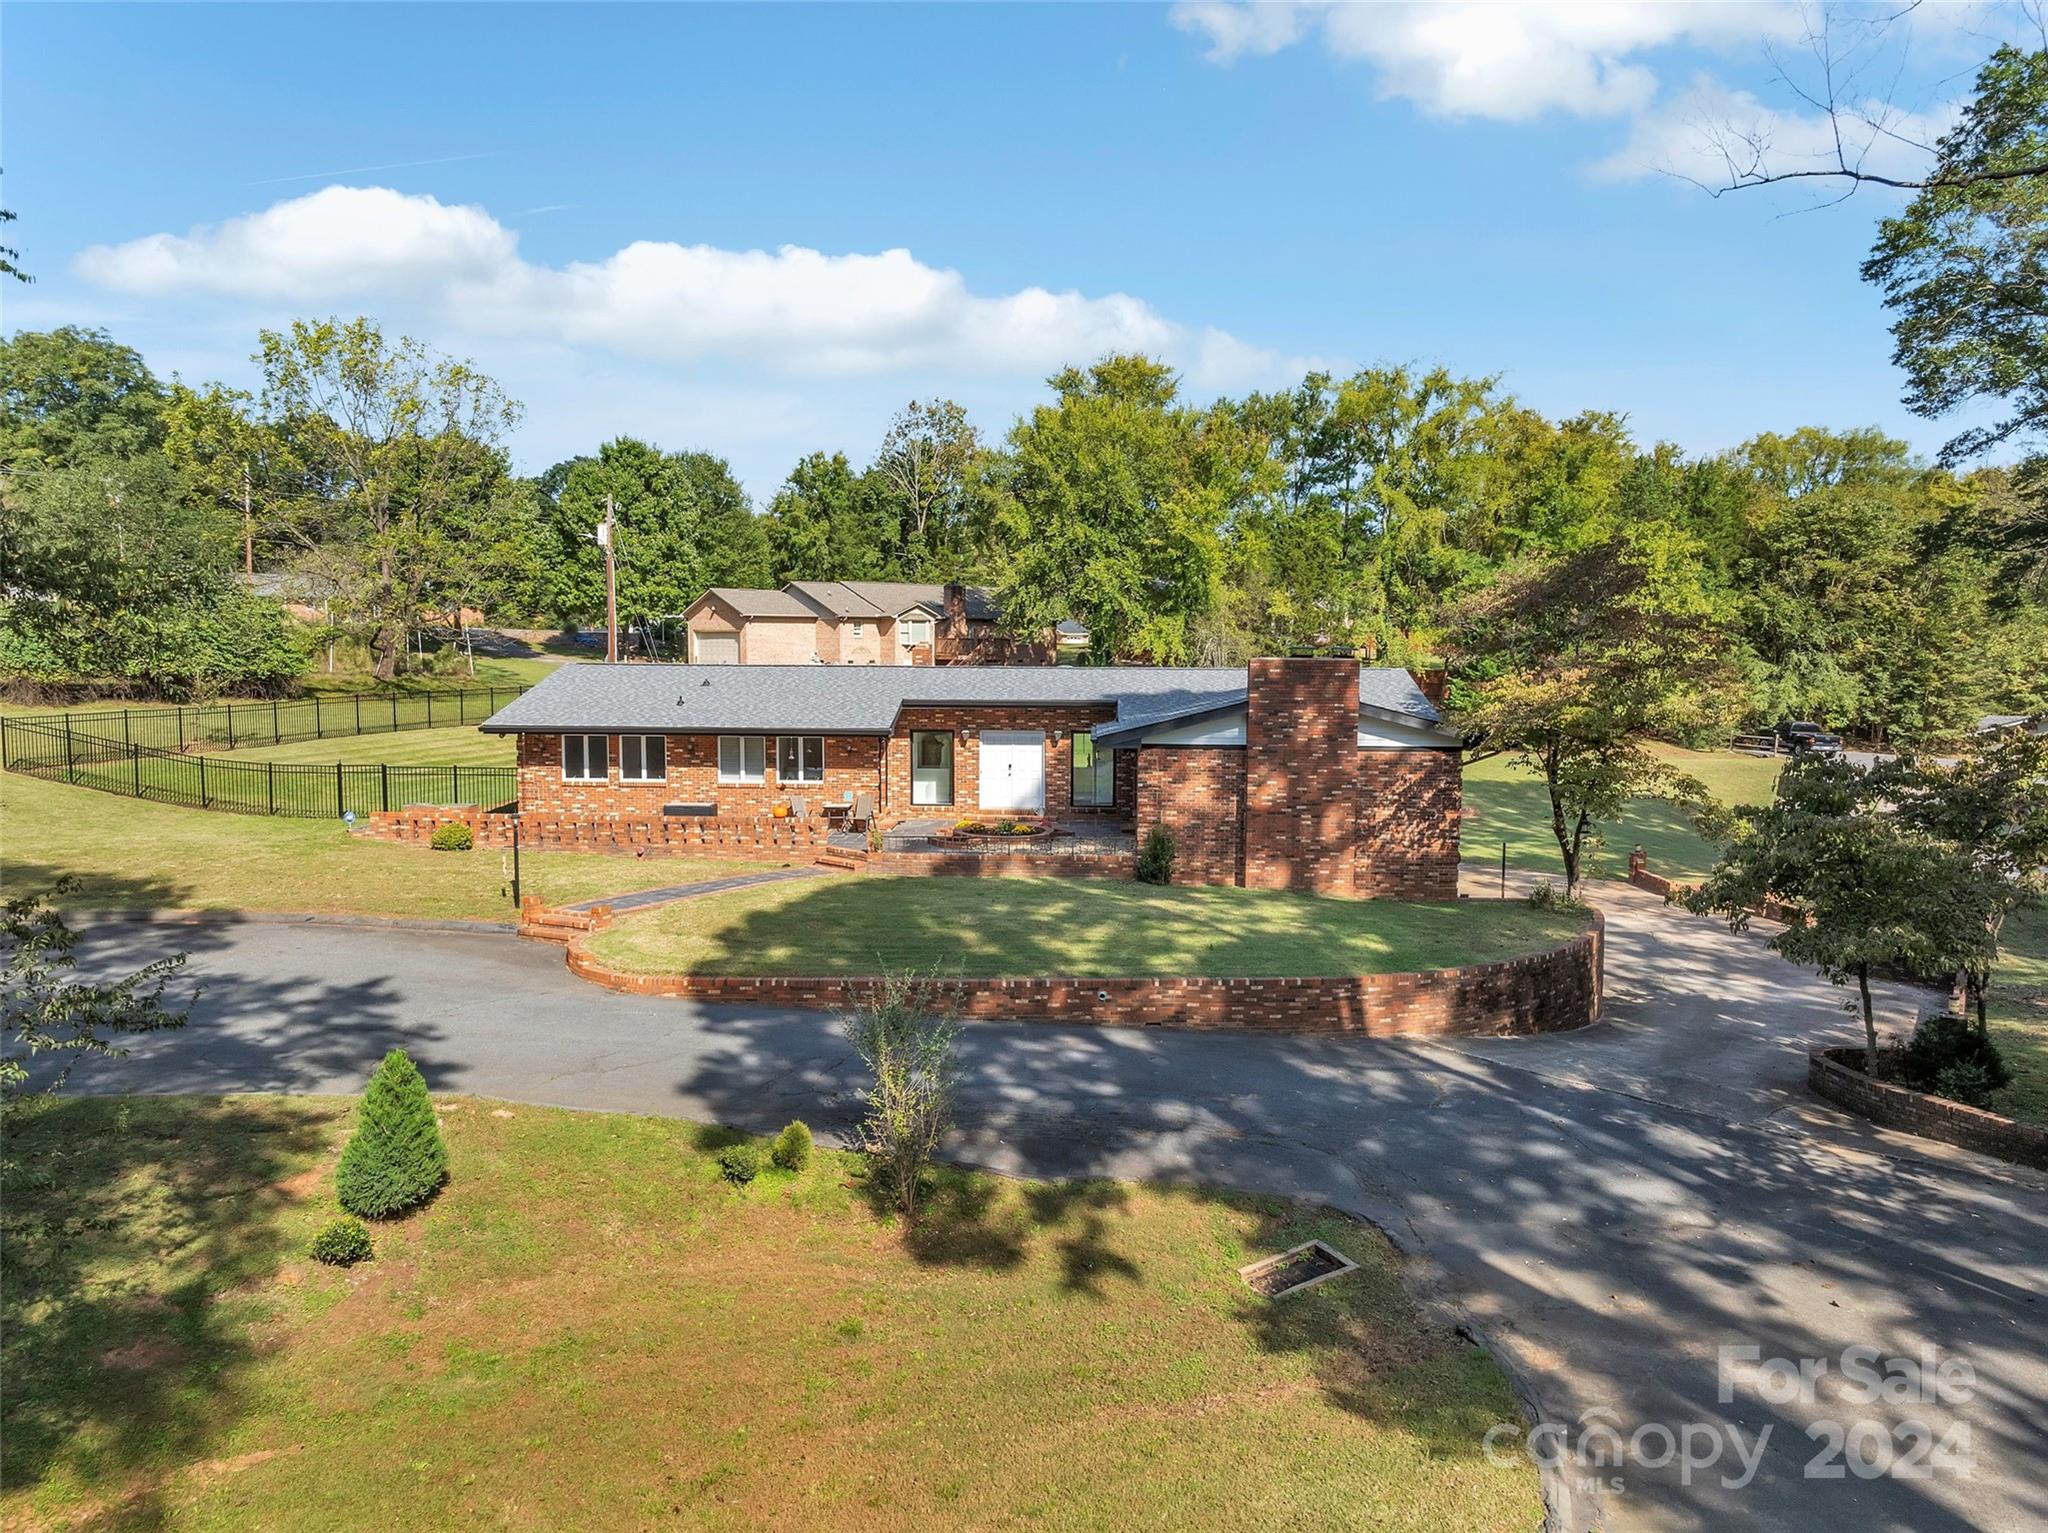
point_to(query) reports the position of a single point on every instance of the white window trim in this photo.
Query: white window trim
(742, 780)
(916, 630)
(800, 781)
(604, 772)
(661, 747)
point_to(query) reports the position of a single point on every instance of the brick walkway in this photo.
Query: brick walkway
(643, 898)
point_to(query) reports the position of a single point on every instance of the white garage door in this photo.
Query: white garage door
(718, 649)
(1013, 769)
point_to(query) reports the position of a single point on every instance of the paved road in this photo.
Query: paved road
(1612, 1207)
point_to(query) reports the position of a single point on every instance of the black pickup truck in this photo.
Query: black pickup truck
(1801, 738)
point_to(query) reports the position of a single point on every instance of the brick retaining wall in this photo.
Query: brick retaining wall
(1915, 1112)
(1005, 864)
(1544, 992)
(657, 835)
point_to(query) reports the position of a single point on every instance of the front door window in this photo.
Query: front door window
(931, 767)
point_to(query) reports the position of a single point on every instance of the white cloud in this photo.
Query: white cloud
(1471, 58)
(1709, 133)
(791, 309)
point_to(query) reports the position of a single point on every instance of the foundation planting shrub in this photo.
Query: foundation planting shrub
(396, 1159)
(1155, 858)
(452, 837)
(792, 1148)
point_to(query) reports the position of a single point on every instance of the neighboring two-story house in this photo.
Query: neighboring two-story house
(854, 622)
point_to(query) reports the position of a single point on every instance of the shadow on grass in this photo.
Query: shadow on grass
(129, 1224)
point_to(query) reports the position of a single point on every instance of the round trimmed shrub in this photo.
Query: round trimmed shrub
(396, 1158)
(792, 1148)
(452, 837)
(343, 1243)
(739, 1163)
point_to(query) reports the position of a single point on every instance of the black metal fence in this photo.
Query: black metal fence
(229, 726)
(58, 749)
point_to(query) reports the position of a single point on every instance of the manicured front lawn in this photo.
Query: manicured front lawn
(1041, 926)
(2019, 1017)
(131, 854)
(461, 745)
(587, 1328)
(1505, 803)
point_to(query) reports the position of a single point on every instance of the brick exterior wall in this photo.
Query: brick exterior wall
(1197, 793)
(1301, 775)
(1546, 992)
(965, 725)
(1408, 806)
(1830, 1073)
(852, 764)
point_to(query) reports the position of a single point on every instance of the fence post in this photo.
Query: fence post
(515, 861)
(340, 795)
(181, 728)
(318, 732)
(359, 712)
(270, 782)
(124, 728)
(394, 713)
(455, 786)
(203, 804)
(276, 729)
(70, 753)
(6, 755)
(384, 784)
(231, 726)
(135, 754)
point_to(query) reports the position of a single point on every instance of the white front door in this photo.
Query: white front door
(1013, 769)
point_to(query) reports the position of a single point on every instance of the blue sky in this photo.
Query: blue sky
(604, 221)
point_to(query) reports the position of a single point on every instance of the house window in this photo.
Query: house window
(916, 630)
(643, 758)
(1094, 773)
(583, 758)
(742, 758)
(800, 758)
(931, 767)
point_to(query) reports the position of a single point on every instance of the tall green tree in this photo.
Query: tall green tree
(684, 526)
(926, 470)
(396, 442)
(1573, 665)
(828, 523)
(1111, 505)
(74, 395)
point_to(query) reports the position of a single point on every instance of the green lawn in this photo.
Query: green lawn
(1087, 927)
(129, 854)
(458, 746)
(2019, 1017)
(1505, 803)
(588, 1328)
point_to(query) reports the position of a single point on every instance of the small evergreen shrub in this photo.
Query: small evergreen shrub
(343, 1243)
(739, 1163)
(396, 1158)
(1948, 1048)
(1155, 858)
(452, 837)
(792, 1148)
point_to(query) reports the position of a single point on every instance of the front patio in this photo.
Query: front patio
(1075, 838)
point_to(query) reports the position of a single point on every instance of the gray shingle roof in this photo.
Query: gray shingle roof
(749, 602)
(865, 699)
(888, 598)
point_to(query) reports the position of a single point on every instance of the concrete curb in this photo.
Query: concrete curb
(289, 918)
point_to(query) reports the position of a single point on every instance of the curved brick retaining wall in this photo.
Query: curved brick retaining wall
(1829, 1074)
(1544, 992)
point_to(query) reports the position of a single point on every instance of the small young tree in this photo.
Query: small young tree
(906, 1037)
(396, 1158)
(45, 1008)
(1865, 889)
(1572, 664)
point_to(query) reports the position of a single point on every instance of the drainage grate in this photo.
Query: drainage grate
(1293, 1271)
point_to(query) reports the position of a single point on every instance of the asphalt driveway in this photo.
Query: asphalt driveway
(1613, 1208)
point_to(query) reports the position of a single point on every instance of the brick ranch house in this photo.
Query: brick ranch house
(1289, 773)
(854, 622)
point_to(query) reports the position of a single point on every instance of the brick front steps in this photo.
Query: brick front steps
(562, 926)
(1835, 1074)
(1543, 992)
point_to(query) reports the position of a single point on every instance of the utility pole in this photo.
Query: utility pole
(607, 540)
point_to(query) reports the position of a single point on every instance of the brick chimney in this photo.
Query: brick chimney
(1301, 774)
(956, 609)
(1431, 683)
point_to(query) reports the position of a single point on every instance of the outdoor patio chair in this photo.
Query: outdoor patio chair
(799, 807)
(863, 812)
